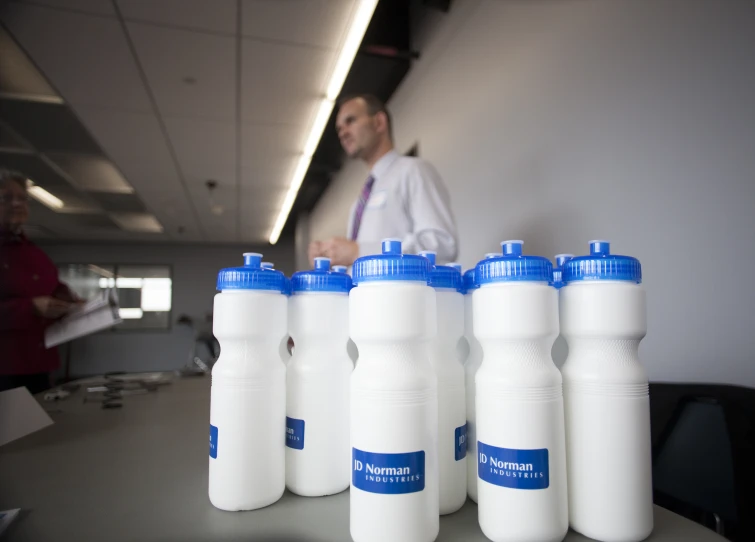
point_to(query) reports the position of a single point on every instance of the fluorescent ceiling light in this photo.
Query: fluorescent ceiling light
(288, 201)
(43, 196)
(323, 114)
(359, 24)
(130, 314)
(362, 17)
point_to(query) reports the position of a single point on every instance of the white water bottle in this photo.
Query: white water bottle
(521, 486)
(248, 398)
(603, 319)
(471, 365)
(283, 348)
(317, 383)
(452, 421)
(394, 401)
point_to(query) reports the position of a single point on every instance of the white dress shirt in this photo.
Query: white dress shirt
(409, 202)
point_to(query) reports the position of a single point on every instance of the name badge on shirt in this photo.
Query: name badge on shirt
(377, 200)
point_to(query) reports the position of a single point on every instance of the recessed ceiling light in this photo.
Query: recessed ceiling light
(359, 23)
(43, 196)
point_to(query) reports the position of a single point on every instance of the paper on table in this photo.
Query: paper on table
(94, 315)
(20, 414)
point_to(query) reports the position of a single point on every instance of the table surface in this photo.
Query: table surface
(140, 473)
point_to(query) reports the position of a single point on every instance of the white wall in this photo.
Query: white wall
(559, 121)
(195, 269)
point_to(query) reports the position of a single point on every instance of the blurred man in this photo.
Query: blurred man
(31, 296)
(403, 197)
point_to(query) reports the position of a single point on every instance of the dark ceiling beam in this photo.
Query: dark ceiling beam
(440, 5)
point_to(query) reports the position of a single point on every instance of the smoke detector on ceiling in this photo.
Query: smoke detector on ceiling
(215, 208)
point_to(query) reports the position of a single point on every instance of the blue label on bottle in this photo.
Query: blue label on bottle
(517, 469)
(389, 474)
(213, 442)
(294, 433)
(460, 442)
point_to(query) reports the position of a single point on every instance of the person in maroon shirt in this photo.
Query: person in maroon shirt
(31, 296)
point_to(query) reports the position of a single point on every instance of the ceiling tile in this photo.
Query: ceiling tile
(282, 84)
(48, 127)
(18, 75)
(85, 57)
(218, 216)
(92, 222)
(205, 149)
(265, 147)
(215, 16)
(136, 144)
(169, 56)
(320, 23)
(96, 7)
(92, 173)
(138, 222)
(258, 223)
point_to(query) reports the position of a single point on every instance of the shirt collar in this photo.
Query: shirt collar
(384, 164)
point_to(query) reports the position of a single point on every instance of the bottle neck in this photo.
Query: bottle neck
(602, 355)
(521, 353)
(401, 356)
(318, 348)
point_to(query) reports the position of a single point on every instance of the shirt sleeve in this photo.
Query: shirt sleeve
(428, 205)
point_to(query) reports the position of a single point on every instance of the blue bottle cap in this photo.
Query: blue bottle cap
(391, 265)
(455, 265)
(443, 276)
(561, 259)
(339, 269)
(267, 265)
(252, 277)
(600, 264)
(320, 279)
(469, 282)
(513, 265)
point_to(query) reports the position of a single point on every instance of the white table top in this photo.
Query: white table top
(140, 473)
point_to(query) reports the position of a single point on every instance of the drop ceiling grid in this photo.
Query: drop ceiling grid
(286, 53)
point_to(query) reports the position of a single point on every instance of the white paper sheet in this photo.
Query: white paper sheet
(95, 315)
(20, 414)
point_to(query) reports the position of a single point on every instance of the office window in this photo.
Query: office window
(144, 291)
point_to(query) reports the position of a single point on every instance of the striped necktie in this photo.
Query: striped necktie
(361, 204)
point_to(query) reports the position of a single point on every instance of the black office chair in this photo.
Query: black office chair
(703, 455)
